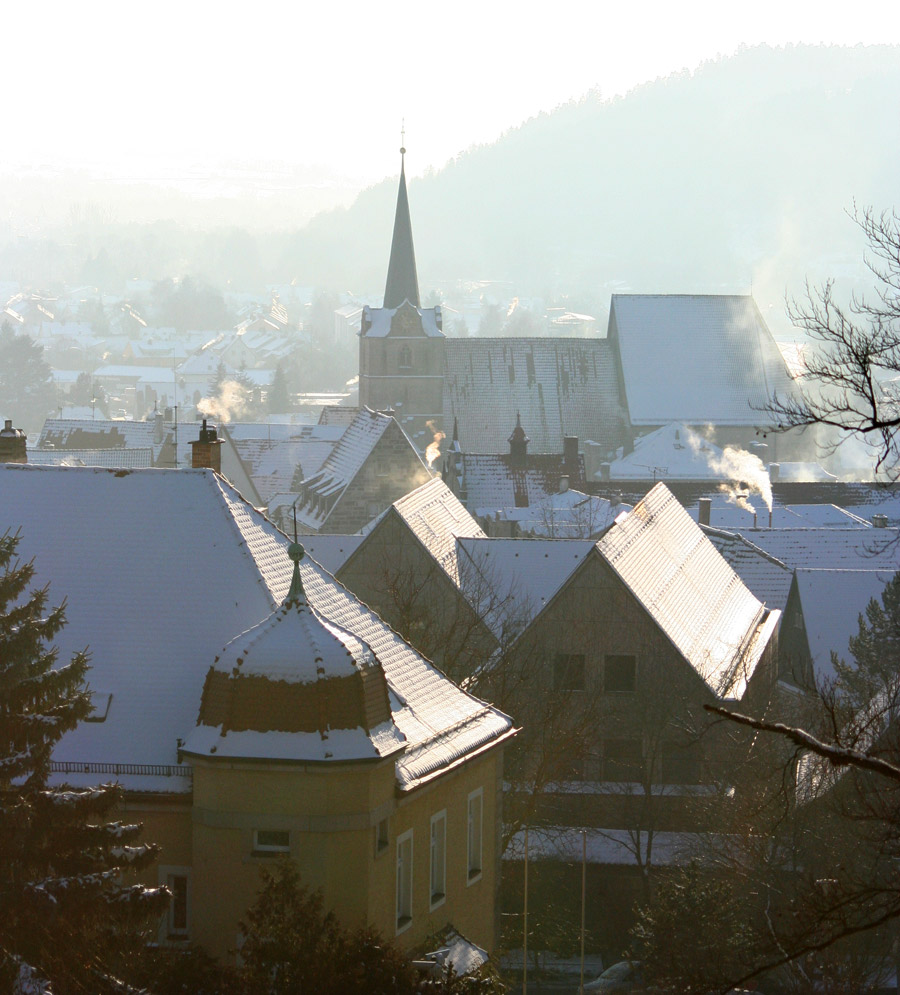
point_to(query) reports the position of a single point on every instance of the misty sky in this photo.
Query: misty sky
(144, 89)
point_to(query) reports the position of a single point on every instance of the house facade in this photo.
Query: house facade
(251, 707)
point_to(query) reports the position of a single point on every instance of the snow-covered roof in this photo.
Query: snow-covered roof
(84, 433)
(560, 386)
(845, 549)
(511, 580)
(568, 514)
(832, 601)
(131, 459)
(491, 484)
(696, 358)
(332, 551)
(766, 576)
(160, 569)
(689, 590)
(322, 490)
(377, 321)
(752, 515)
(673, 452)
(272, 463)
(437, 519)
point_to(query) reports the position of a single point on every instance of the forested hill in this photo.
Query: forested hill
(740, 171)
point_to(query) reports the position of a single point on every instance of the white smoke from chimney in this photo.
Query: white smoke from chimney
(231, 404)
(433, 449)
(745, 473)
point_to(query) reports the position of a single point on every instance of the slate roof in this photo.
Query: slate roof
(832, 602)
(559, 386)
(332, 551)
(689, 590)
(728, 515)
(491, 483)
(179, 564)
(727, 363)
(846, 549)
(767, 577)
(85, 433)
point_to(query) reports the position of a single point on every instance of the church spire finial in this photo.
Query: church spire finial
(402, 280)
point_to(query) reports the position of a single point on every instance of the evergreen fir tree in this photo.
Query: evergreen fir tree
(875, 650)
(65, 914)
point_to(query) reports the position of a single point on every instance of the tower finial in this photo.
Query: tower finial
(296, 595)
(403, 136)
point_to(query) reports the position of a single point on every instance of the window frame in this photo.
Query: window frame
(474, 835)
(404, 882)
(270, 849)
(438, 897)
(169, 932)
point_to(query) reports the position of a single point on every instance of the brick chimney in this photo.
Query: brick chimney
(206, 451)
(12, 444)
(704, 506)
(570, 451)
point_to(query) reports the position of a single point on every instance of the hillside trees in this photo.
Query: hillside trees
(65, 914)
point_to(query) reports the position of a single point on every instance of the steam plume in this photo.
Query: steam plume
(433, 450)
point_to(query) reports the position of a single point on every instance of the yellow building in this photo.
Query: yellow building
(315, 733)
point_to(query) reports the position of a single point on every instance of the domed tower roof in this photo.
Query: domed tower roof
(296, 686)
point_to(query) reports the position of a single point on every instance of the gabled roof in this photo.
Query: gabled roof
(403, 321)
(517, 577)
(437, 519)
(568, 514)
(767, 577)
(560, 386)
(832, 601)
(272, 463)
(689, 590)
(727, 363)
(323, 489)
(178, 565)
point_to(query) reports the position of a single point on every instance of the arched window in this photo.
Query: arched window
(405, 361)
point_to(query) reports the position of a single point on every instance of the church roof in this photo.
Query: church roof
(402, 280)
(728, 365)
(559, 387)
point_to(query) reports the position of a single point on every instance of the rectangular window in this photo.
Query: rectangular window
(267, 841)
(438, 858)
(619, 674)
(474, 834)
(568, 672)
(381, 837)
(178, 904)
(622, 760)
(404, 880)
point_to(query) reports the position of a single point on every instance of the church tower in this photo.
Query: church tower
(401, 344)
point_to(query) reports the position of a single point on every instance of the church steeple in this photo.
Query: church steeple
(402, 281)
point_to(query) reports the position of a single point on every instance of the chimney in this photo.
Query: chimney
(563, 483)
(570, 450)
(704, 505)
(879, 521)
(774, 470)
(12, 444)
(604, 472)
(518, 446)
(206, 451)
